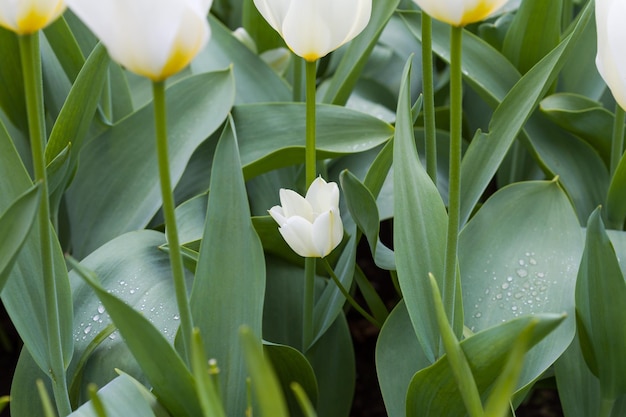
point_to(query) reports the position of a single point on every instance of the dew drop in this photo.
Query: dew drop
(521, 273)
(96, 317)
(87, 329)
(176, 317)
(499, 297)
(505, 285)
(532, 261)
(100, 309)
(541, 274)
(514, 308)
(132, 291)
(509, 279)
(521, 262)
(478, 315)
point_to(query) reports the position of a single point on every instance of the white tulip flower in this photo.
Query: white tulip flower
(314, 28)
(610, 59)
(28, 16)
(310, 225)
(460, 12)
(153, 38)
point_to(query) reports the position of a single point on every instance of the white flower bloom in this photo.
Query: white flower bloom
(314, 28)
(29, 16)
(153, 38)
(310, 225)
(460, 12)
(610, 60)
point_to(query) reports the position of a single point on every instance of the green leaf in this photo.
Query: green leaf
(23, 293)
(272, 135)
(173, 385)
(121, 397)
(206, 389)
(519, 255)
(355, 58)
(65, 47)
(264, 382)
(103, 201)
(615, 200)
(582, 117)
(433, 390)
(364, 211)
(229, 277)
(290, 367)
(534, 32)
(12, 97)
(600, 279)
(225, 50)
(420, 225)
(15, 224)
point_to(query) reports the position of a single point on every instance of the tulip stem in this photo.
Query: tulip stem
(33, 89)
(310, 158)
(617, 144)
(308, 304)
(429, 97)
(454, 190)
(346, 294)
(171, 230)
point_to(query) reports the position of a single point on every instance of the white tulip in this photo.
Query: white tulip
(460, 12)
(29, 16)
(310, 225)
(153, 38)
(610, 59)
(314, 28)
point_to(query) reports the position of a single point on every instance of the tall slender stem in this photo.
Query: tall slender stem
(310, 161)
(176, 259)
(310, 158)
(429, 97)
(454, 191)
(617, 144)
(31, 67)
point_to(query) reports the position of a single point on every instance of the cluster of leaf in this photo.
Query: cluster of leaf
(533, 278)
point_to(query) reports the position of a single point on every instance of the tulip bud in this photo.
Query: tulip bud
(610, 60)
(460, 12)
(314, 28)
(29, 16)
(153, 38)
(310, 225)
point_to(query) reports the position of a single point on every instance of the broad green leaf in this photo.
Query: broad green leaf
(265, 384)
(65, 46)
(582, 117)
(433, 390)
(291, 366)
(15, 224)
(355, 58)
(534, 32)
(519, 255)
(272, 135)
(116, 188)
(600, 279)
(330, 302)
(23, 294)
(229, 277)
(225, 50)
(420, 225)
(80, 106)
(398, 357)
(364, 211)
(173, 384)
(121, 398)
(12, 98)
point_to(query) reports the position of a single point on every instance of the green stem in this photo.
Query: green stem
(310, 158)
(310, 161)
(429, 97)
(176, 259)
(33, 88)
(308, 304)
(454, 190)
(617, 144)
(346, 294)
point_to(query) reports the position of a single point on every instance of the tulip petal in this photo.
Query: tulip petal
(293, 204)
(29, 16)
(610, 60)
(278, 215)
(324, 230)
(460, 12)
(274, 12)
(323, 196)
(154, 38)
(305, 30)
(297, 232)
